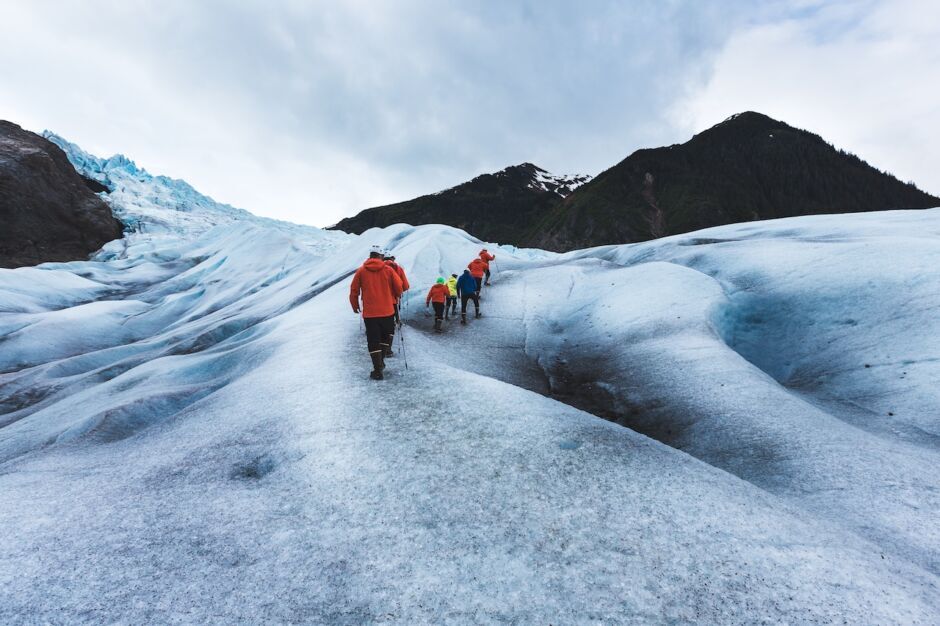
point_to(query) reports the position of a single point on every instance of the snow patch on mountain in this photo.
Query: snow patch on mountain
(562, 185)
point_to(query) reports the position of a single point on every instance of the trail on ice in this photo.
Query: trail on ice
(302, 491)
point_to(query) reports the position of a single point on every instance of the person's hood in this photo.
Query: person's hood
(466, 271)
(374, 265)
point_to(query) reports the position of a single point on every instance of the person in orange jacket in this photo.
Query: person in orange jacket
(438, 295)
(390, 261)
(486, 257)
(478, 269)
(380, 288)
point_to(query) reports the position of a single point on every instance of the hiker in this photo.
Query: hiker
(450, 307)
(477, 269)
(487, 257)
(390, 261)
(380, 288)
(467, 289)
(438, 295)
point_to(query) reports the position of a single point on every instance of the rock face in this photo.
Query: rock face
(48, 211)
(495, 207)
(749, 167)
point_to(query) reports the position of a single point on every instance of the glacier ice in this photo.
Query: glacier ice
(188, 433)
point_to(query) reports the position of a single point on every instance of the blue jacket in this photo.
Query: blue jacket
(466, 283)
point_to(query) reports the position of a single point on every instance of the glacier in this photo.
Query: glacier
(736, 425)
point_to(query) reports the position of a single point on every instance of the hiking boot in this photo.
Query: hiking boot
(463, 319)
(479, 315)
(378, 364)
(437, 325)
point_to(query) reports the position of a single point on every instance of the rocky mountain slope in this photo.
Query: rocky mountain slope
(497, 207)
(748, 167)
(48, 211)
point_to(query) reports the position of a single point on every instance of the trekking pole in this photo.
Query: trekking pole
(401, 338)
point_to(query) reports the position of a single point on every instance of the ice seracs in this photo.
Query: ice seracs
(161, 205)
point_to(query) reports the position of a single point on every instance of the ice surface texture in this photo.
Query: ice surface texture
(188, 432)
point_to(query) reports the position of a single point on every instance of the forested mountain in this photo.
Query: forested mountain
(748, 167)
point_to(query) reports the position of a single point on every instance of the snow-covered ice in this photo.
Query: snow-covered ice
(188, 432)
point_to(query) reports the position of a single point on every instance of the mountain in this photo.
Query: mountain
(748, 167)
(48, 211)
(496, 207)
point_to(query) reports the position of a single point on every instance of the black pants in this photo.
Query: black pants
(464, 297)
(379, 331)
(438, 310)
(479, 283)
(487, 275)
(451, 305)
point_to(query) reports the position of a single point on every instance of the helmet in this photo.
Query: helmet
(454, 275)
(440, 281)
(376, 249)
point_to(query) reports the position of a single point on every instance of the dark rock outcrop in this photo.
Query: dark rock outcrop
(48, 212)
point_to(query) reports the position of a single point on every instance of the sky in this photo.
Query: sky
(312, 111)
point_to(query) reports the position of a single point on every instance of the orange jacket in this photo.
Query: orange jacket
(401, 274)
(486, 256)
(477, 268)
(380, 287)
(438, 293)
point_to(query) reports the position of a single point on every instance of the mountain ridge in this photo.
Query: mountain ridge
(747, 167)
(496, 206)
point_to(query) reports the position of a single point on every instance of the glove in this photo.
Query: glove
(356, 309)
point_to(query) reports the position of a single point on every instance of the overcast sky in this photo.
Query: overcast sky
(311, 111)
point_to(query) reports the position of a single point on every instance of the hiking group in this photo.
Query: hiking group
(380, 282)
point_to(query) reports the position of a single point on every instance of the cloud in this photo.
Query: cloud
(311, 111)
(864, 75)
